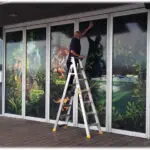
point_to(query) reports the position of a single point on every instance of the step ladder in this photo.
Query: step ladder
(76, 72)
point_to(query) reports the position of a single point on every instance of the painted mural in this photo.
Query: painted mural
(14, 56)
(94, 49)
(35, 73)
(129, 73)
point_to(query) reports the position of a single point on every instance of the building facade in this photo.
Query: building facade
(117, 62)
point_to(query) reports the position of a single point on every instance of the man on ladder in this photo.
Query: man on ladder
(75, 49)
(74, 58)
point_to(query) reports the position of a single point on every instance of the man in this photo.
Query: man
(75, 48)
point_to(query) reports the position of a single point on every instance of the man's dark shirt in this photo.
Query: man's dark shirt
(74, 46)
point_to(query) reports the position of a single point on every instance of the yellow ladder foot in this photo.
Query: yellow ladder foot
(65, 127)
(54, 130)
(100, 132)
(88, 136)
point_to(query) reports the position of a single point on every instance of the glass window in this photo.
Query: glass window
(93, 46)
(129, 72)
(35, 77)
(60, 41)
(13, 81)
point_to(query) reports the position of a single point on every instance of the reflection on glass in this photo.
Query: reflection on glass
(14, 55)
(60, 41)
(94, 48)
(129, 72)
(35, 79)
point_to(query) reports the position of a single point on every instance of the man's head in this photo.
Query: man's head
(77, 34)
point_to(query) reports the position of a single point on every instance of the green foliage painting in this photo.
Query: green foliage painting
(14, 57)
(35, 78)
(129, 73)
(61, 37)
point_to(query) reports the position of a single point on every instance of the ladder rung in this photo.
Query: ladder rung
(83, 79)
(80, 73)
(86, 102)
(93, 124)
(71, 85)
(90, 113)
(65, 115)
(72, 73)
(85, 90)
(67, 105)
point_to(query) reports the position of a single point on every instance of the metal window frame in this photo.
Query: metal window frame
(24, 74)
(47, 79)
(129, 133)
(13, 29)
(109, 74)
(148, 79)
(75, 100)
(32, 27)
(3, 72)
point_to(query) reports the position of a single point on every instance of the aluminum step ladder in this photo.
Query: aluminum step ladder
(76, 72)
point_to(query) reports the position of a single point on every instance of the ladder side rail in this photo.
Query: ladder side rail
(62, 99)
(80, 98)
(69, 110)
(90, 96)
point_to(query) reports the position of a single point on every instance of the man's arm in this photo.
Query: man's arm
(74, 53)
(87, 29)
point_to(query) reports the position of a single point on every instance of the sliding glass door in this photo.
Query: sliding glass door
(129, 72)
(94, 49)
(60, 40)
(35, 72)
(13, 73)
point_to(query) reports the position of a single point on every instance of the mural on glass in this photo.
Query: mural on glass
(93, 46)
(129, 72)
(35, 69)
(60, 41)
(13, 77)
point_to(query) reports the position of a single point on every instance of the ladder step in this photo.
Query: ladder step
(87, 102)
(72, 73)
(65, 115)
(85, 90)
(82, 79)
(67, 105)
(93, 124)
(80, 73)
(90, 113)
(71, 85)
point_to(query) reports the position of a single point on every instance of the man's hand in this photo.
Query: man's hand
(81, 57)
(87, 29)
(90, 25)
